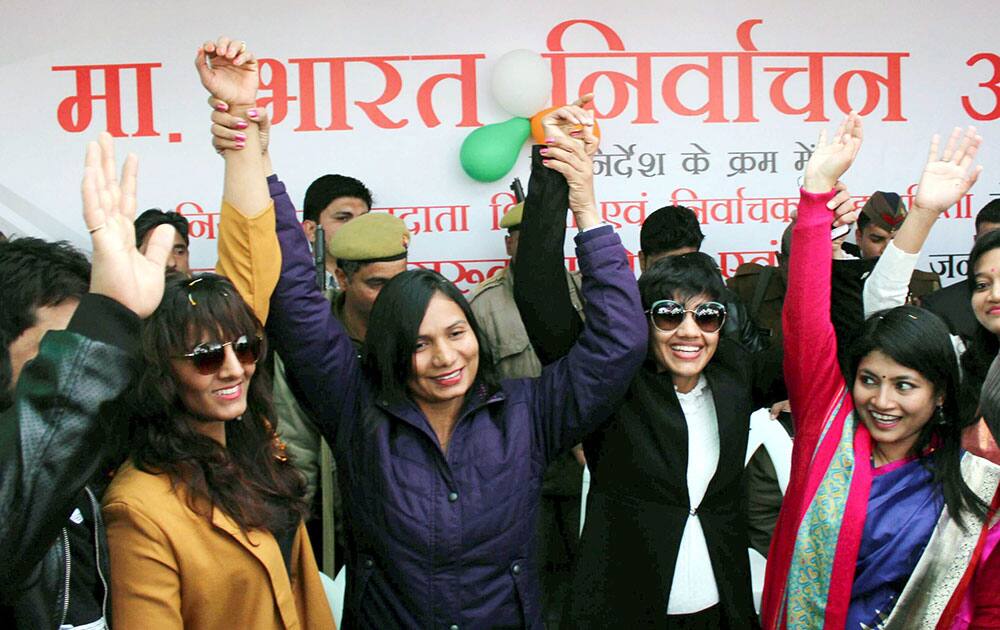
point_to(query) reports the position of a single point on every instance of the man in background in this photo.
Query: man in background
(880, 217)
(179, 259)
(332, 201)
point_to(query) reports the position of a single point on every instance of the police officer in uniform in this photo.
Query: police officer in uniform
(369, 251)
(881, 216)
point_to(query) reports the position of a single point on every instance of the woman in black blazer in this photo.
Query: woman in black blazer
(648, 492)
(649, 556)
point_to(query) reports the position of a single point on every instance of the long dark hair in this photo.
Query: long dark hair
(983, 346)
(918, 339)
(387, 356)
(244, 478)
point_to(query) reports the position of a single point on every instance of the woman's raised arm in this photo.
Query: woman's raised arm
(540, 287)
(810, 362)
(945, 180)
(265, 253)
(248, 250)
(577, 392)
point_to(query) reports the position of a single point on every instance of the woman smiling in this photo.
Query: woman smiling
(208, 511)
(665, 542)
(440, 465)
(878, 450)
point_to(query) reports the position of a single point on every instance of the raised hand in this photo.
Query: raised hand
(569, 156)
(228, 71)
(230, 132)
(946, 179)
(120, 271)
(830, 160)
(573, 121)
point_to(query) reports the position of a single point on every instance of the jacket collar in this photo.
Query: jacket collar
(407, 411)
(731, 425)
(726, 396)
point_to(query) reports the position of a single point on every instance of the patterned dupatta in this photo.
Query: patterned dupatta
(815, 546)
(815, 568)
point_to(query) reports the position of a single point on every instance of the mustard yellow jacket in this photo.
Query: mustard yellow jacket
(172, 568)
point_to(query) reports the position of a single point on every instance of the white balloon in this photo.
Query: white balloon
(522, 83)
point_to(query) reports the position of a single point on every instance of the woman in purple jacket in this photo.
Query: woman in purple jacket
(440, 467)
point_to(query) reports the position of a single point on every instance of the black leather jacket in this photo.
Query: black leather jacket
(51, 444)
(740, 326)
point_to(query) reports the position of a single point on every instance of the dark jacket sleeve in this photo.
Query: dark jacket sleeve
(763, 500)
(847, 311)
(552, 323)
(740, 326)
(52, 437)
(578, 392)
(321, 364)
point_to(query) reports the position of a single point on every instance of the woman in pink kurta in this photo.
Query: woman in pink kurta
(866, 459)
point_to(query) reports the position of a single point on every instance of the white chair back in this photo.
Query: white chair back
(772, 436)
(335, 590)
(769, 433)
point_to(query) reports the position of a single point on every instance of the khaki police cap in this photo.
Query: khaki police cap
(370, 237)
(513, 217)
(886, 210)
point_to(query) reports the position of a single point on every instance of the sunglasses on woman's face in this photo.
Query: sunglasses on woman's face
(208, 358)
(667, 315)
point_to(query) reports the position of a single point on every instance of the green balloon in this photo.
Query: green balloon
(488, 153)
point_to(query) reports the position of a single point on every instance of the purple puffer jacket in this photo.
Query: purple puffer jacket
(447, 540)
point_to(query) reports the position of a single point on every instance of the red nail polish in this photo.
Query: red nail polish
(221, 107)
(252, 113)
(241, 137)
(240, 145)
(545, 162)
(241, 124)
(544, 151)
(549, 140)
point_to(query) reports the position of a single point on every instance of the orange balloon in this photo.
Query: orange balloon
(538, 135)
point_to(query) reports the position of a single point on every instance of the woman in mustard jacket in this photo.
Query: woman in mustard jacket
(205, 519)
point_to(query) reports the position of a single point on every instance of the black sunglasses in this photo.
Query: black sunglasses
(667, 315)
(207, 358)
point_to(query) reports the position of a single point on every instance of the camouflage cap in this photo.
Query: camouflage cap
(885, 209)
(371, 237)
(512, 220)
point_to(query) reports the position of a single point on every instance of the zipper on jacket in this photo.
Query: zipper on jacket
(97, 551)
(68, 567)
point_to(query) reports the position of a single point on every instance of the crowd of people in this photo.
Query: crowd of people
(191, 450)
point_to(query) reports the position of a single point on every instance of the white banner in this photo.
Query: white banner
(713, 105)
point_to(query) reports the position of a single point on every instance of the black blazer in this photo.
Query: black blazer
(638, 503)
